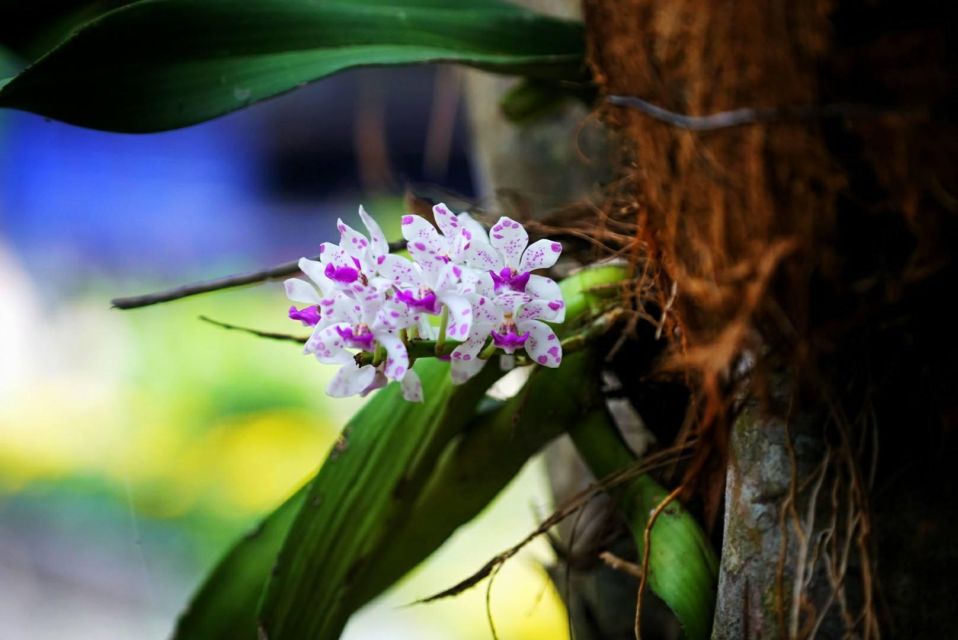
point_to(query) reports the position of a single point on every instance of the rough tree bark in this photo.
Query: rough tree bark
(818, 239)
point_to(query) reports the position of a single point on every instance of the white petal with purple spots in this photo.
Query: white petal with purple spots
(351, 380)
(541, 254)
(542, 346)
(411, 387)
(510, 238)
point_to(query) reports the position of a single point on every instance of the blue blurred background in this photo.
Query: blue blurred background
(136, 446)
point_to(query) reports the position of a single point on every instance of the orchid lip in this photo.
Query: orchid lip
(309, 316)
(507, 277)
(426, 302)
(510, 340)
(345, 275)
(359, 339)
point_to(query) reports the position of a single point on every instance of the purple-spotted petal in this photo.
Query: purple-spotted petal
(446, 220)
(460, 316)
(353, 242)
(465, 360)
(351, 380)
(542, 288)
(540, 310)
(397, 360)
(542, 346)
(421, 237)
(411, 387)
(377, 240)
(486, 313)
(314, 271)
(510, 239)
(301, 291)
(399, 270)
(328, 346)
(477, 253)
(541, 254)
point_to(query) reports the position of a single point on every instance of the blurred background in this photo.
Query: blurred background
(136, 446)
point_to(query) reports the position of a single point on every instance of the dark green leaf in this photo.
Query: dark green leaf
(30, 30)
(361, 494)
(225, 605)
(163, 64)
(474, 468)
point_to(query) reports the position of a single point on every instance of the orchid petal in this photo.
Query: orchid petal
(486, 312)
(397, 360)
(543, 345)
(476, 252)
(353, 242)
(542, 288)
(351, 380)
(510, 239)
(314, 271)
(460, 316)
(421, 237)
(541, 254)
(377, 240)
(328, 345)
(399, 270)
(473, 226)
(465, 360)
(411, 387)
(301, 291)
(446, 220)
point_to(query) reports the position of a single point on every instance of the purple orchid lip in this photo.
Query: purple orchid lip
(359, 339)
(345, 275)
(509, 341)
(309, 316)
(427, 302)
(509, 278)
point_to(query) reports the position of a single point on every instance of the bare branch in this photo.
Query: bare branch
(748, 115)
(256, 332)
(228, 282)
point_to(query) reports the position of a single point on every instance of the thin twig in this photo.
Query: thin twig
(646, 545)
(228, 282)
(748, 115)
(256, 332)
(616, 563)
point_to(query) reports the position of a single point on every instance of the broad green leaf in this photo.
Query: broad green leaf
(225, 605)
(473, 469)
(29, 31)
(362, 493)
(480, 463)
(683, 568)
(162, 64)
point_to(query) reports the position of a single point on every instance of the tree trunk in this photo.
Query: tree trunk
(809, 240)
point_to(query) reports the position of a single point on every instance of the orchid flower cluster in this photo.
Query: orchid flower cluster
(462, 285)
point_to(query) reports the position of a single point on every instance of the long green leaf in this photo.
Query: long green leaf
(683, 568)
(474, 468)
(358, 498)
(163, 64)
(224, 608)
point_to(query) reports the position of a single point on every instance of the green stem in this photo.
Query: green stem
(489, 351)
(443, 321)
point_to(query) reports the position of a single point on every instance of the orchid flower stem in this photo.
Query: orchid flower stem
(416, 349)
(379, 356)
(443, 321)
(489, 351)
